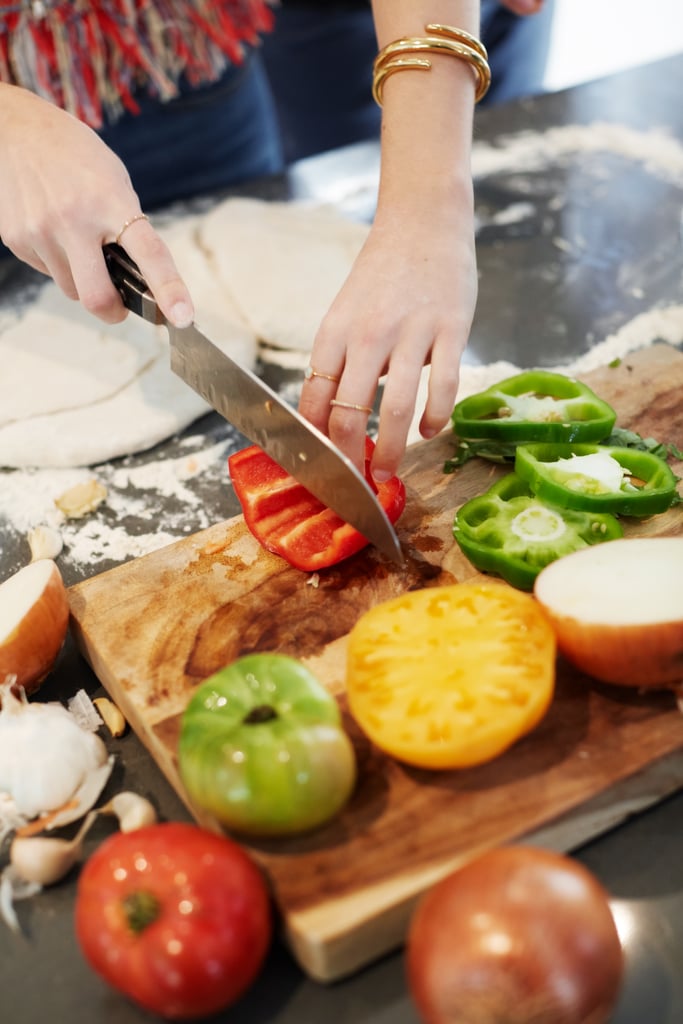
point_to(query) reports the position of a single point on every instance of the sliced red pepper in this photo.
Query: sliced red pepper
(289, 521)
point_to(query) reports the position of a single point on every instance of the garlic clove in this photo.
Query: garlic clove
(44, 542)
(82, 499)
(111, 715)
(132, 810)
(42, 859)
(45, 859)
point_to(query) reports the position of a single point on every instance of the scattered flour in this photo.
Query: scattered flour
(664, 324)
(156, 492)
(513, 214)
(660, 153)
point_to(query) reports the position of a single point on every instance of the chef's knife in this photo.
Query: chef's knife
(260, 414)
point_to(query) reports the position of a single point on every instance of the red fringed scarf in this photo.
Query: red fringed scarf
(91, 56)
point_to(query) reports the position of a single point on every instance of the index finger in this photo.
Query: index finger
(157, 266)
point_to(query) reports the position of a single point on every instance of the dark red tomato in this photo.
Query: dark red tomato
(174, 916)
(519, 934)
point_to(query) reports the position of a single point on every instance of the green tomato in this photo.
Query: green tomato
(262, 748)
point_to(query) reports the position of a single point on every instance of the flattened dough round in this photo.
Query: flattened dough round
(58, 356)
(283, 263)
(76, 392)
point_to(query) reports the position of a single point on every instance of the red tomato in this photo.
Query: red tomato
(174, 916)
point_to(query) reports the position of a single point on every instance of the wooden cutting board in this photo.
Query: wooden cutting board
(154, 628)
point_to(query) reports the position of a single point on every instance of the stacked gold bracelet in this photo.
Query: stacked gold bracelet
(439, 39)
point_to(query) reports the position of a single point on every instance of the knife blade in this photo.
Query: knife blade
(259, 413)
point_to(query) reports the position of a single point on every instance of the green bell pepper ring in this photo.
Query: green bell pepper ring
(598, 478)
(537, 405)
(263, 748)
(512, 533)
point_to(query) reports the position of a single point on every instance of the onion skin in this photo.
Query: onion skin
(648, 657)
(30, 647)
(519, 935)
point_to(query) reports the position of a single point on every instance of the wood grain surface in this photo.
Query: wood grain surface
(154, 628)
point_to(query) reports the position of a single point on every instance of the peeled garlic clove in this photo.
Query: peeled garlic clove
(78, 501)
(111, 715)
(132, 810)
(44, 542)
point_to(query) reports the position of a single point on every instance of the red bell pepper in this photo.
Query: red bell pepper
(289, 521)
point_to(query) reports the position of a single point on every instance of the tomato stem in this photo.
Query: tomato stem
(141, 909)
(261, 713)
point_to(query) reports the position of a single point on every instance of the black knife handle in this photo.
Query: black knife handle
(130, 284)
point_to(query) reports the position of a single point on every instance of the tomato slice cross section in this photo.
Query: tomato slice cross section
(449, 677)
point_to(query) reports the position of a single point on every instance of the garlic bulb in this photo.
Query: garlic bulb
(45, 756)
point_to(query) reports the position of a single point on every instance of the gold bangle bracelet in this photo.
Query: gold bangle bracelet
(459, 35)
(405, 54)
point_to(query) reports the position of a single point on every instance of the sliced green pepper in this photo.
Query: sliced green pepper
(537, 405)
(514, 534)
(595, 477)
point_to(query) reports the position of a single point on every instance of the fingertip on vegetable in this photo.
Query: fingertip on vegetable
(289, 521)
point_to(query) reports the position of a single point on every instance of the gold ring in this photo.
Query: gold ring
(310, 373)
(351, 405)
(127, 224)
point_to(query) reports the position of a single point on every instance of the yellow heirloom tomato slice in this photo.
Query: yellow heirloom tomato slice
(449, 677)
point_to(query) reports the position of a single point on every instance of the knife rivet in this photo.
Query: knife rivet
(269, 405)
(303, 456)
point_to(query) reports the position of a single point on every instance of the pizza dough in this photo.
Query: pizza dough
(283, 264)
(75, 391)
(217, 314)
(57, 356)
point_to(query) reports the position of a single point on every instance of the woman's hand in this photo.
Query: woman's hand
(63, 194)
(408, 301)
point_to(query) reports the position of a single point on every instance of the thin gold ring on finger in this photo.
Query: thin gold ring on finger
(127, 224)
(351, 405)
(310, 372)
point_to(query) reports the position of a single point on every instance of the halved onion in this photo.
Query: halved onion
(617, 610)
(34, 618)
